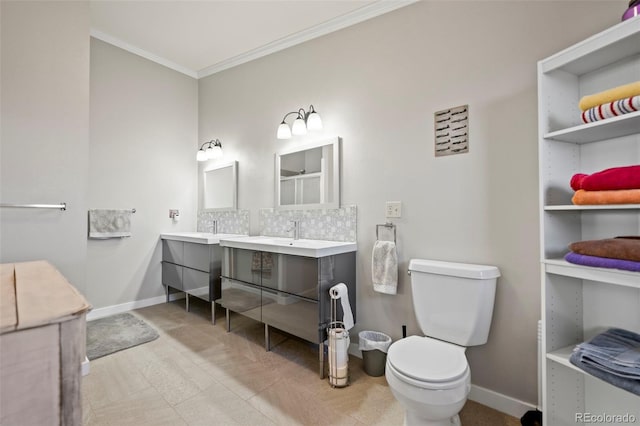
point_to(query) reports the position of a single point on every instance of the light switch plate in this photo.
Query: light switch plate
(394, 209)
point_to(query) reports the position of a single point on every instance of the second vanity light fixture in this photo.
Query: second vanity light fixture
(305, 120)
(213, 150)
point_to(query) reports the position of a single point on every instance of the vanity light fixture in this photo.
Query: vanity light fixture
(305, 120)
(213, 150)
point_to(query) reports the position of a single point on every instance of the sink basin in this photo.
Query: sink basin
(308, 248)
(197, 237)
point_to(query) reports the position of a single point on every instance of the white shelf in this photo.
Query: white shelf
(561, 356)
(302, 176)
(573, 207)
(622, 125)
(578, 299)
(616, 43)
(605, 275)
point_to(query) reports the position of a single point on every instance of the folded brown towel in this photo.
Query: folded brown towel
(625, 248)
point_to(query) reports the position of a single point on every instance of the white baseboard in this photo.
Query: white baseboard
(497, 401)
(126, 307)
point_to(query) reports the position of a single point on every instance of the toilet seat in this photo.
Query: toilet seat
(428, 363)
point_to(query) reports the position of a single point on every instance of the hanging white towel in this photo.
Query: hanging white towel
(109, 223)
(384, 267)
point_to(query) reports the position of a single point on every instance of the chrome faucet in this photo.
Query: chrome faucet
(214, 226)
(295, 228)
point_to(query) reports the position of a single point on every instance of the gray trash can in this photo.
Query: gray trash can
(374, 346)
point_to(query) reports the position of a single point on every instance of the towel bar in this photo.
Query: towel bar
(61, 206)
(386, 225)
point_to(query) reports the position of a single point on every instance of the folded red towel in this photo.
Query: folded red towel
(627, 177)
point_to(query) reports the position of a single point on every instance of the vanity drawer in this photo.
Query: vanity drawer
(172, 275)
(241, 297)
(197, 256)
(194, 280)
(292, 274)
(172, 251)
(296, 315)
(243, 265)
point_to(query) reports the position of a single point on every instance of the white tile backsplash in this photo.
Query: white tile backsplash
(317, 224)
(229, 222)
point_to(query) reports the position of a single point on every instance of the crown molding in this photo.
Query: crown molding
(143, 53)
(364, 13)
(359, 15)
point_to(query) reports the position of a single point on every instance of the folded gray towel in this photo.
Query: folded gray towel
(613, 356)
(631, 385)
(109, 223)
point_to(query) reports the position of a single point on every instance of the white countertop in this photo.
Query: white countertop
(198, 237)
(302, 247)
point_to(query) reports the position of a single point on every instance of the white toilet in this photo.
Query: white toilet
(429, 375)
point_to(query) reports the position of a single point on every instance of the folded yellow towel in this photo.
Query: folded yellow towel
(606, 96)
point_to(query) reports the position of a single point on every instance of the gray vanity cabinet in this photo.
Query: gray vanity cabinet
(288, 292)
(192, 268)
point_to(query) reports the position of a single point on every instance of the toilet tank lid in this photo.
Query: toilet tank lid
(464, 270)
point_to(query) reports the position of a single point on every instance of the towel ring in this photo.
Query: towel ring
(386, 225)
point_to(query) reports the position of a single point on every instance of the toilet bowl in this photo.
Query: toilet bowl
(429, 375)
(430, 378)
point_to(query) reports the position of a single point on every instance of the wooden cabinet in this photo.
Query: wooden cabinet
(290, 293)
(579, 302)
(192, 268)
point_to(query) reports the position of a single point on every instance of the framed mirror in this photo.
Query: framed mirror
(220, 187)
(308, 176)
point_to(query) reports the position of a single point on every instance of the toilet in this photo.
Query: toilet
(429, 375)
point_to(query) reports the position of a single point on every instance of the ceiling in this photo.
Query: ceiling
(200, 38)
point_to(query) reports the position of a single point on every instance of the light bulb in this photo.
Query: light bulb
(299, 127)
(216, 152)
(314, 122)
(283, 131)
(201, 155)
(210, 152)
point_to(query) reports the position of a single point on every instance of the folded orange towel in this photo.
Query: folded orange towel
(621, 196)
(606, 96)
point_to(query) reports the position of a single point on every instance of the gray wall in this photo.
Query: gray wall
(141, 155)
(377, 85)
(45, 133)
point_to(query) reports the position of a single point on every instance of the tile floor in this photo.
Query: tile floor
(196, 373)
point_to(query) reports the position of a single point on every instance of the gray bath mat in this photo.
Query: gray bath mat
(115, 333)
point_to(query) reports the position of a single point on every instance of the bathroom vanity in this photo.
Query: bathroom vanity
(284, 283)
(191, 263)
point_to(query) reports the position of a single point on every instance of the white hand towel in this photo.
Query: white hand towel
(340, 291)
(384, 267)
(109, 223)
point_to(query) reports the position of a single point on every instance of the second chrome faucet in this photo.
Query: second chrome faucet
(295, 227)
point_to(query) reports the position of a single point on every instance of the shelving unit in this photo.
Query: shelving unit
(579, 302)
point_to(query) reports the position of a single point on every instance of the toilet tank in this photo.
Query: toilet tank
(453, 301)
